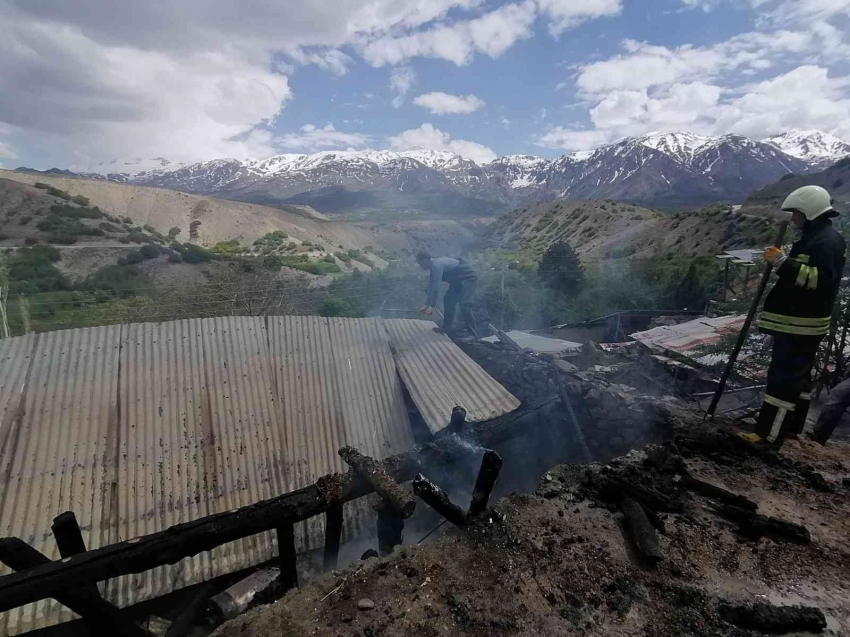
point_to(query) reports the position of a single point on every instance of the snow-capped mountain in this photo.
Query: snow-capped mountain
(812, 146)
(658, 169)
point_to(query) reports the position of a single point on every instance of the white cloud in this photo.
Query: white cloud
(402, 80)
(183, 79)
(710, 89)
(566, 14)
(506, 122)
(426, 136)
(443, 103)
(331, 60)
(491, 34)
(312, 138)
(792, 11)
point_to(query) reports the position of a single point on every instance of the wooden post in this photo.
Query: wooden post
(396, 498)
(86, 601)
(390, 529)
(333, 532)
(436, 498)
(68, 536)
(491, 464)
(288, 557)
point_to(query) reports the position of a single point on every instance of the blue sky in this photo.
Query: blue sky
(85, 81)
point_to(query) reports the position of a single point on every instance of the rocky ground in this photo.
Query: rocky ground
(561, 562)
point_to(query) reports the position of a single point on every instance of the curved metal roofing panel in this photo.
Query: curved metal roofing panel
(439, 375)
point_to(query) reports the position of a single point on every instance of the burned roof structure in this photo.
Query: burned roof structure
(139, 427)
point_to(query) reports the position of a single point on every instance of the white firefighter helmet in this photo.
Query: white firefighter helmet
(811, 201)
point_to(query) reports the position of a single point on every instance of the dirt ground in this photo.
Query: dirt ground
(558, 562)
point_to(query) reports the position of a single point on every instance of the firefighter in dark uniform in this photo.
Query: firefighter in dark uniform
(797, 312)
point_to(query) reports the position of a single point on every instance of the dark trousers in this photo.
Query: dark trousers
(460, 294)
(789, 385)
(836, 404)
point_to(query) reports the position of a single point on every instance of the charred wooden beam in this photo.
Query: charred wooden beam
(373, 472)
(204, 534)
(754, 526)
(84, 600)
(717, 493)
(437, 499)
(617, 488)
(287, 556)
(640, 531)
(333, 533)
(766, 618)
(69, 537)
(491, 465)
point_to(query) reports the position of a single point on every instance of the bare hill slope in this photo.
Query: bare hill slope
(219, 219)
(835, 179)
(606, 229)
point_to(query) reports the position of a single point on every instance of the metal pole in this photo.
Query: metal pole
(780, 237)
(725, 279)
(502, 321)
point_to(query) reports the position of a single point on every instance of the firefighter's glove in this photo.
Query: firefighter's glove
(775, 256)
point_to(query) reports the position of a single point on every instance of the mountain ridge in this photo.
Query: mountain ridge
(667, 170)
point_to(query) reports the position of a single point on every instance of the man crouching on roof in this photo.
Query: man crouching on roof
(462, 280)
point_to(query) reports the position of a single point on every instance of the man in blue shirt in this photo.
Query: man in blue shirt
(462, 280)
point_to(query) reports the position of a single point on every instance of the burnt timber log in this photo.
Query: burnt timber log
(640, 531)
(755, 525)
(617, 488)
(491, 465)
(767, 618)
(390, 528)
(401, 502)
(204, 534)
(437, 499)
(287, 556)
(69, 537)
(97, 613)
(717, 493)
(333, 533)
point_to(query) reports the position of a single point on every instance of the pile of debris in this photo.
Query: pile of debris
(702, 535)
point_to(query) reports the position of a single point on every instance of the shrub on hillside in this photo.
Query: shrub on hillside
(173, 232)
(3, 237)
(560, 269)
(41, 185)
(342, 256)
(31, 241)
(175, 257)
(336, 307)
(72, 212)
(80, 200)
(24, 220)
(328, 258)
(150, 251)
(108, 227)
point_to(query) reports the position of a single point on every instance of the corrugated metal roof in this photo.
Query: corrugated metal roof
(339, 387)
(61, 456)
(439, 375)
(139, 427)
(684, 337)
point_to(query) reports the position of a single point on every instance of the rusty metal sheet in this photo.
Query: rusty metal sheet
(337, 384)
(683, 338)
(61, 454)
(439, 375)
